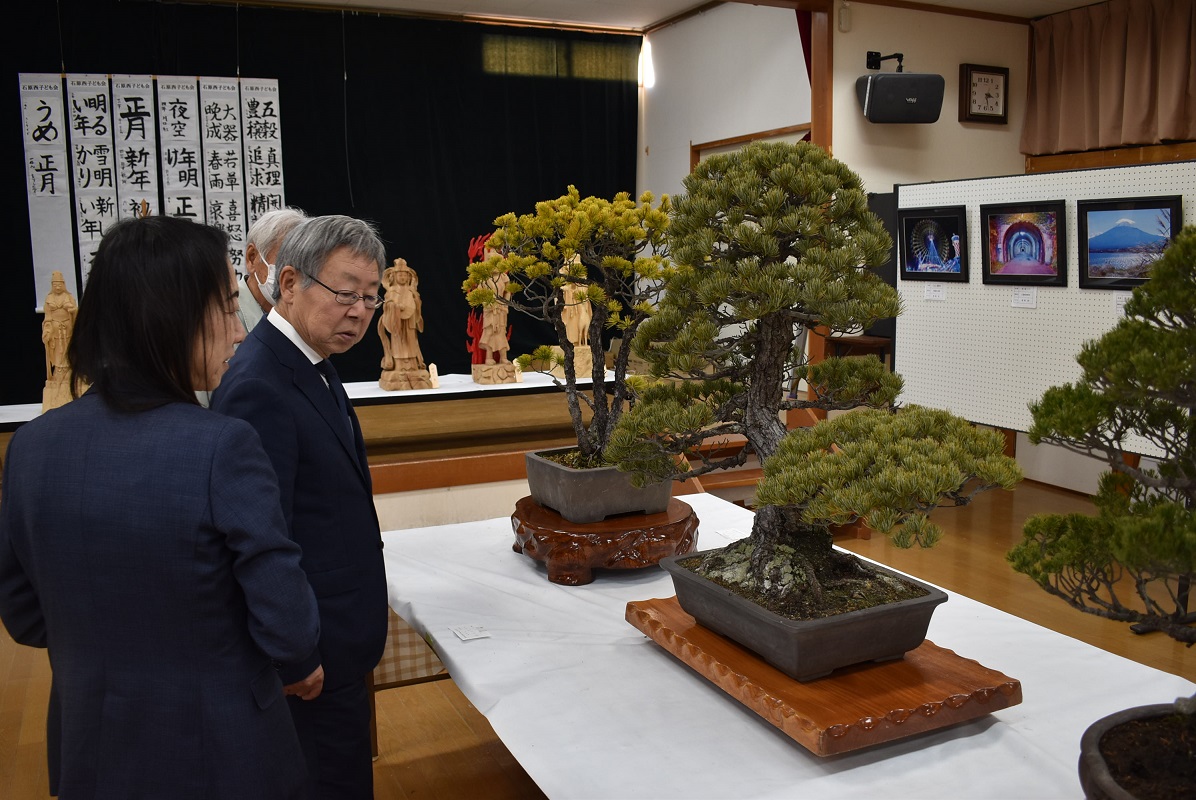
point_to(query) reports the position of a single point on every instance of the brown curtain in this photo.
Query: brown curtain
(1110, 75)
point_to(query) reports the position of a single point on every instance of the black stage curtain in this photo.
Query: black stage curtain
(404, 122)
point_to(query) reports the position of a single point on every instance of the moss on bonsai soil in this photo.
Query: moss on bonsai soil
(572, 458)
(847, 586)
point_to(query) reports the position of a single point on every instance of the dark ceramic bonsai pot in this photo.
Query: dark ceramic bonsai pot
(1095, 778)
(591, 495)
(807, 649)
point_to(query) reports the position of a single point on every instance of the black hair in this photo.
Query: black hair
(145, 304)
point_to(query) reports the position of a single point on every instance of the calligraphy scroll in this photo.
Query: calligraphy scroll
(136, 138)
(47, 181)
(181, 154)
(223, 162)
(262, 123)
(93, 162)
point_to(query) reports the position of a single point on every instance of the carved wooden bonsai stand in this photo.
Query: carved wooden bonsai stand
(571, 550)
(853, 707)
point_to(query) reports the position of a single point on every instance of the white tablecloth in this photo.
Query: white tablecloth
(592, 708)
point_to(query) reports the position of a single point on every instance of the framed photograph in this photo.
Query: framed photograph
(1121, 239)
(933, 244)
(983, 94)
(1025, 243)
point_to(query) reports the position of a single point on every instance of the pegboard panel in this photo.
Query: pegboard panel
(971, 352)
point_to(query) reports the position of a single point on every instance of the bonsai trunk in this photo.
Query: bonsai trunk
(762, 422)
(789, 563)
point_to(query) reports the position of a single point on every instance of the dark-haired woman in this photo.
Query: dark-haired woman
(142, 542)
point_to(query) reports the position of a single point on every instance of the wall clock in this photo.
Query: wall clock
(983, 94)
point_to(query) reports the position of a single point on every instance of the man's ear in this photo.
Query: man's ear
(288, 283)
(253, 257)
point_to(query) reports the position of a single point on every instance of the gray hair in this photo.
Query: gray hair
(309, 245)
(271, 227)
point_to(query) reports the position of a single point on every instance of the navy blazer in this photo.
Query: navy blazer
(326, 495)
(147, 552)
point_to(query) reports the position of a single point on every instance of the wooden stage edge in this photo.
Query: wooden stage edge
(854, 707)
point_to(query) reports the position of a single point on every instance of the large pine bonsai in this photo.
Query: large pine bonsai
(769, 243)
(1136, 559)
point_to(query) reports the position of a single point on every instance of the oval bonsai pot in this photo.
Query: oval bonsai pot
(807, 649)
(590, 495)
(1095, 778)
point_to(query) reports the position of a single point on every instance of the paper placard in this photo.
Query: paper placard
(467, 632)
(1024, 297)
(733, 534)
(934, 291)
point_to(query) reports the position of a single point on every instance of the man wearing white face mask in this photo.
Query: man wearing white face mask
(261, 271)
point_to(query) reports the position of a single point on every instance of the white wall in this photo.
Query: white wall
(886, 154)
(738, 69)
(734, 70)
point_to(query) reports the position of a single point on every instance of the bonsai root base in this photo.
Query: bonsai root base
(571, 550)
(852, 708)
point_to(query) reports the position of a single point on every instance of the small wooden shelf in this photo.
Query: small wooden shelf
(852, 708)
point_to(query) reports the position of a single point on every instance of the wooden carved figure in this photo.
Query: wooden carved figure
(495, 334)
(59, 323)
(576, 313)
(399, 324)
(494, 339)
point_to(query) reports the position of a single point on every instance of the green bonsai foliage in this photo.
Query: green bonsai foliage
(608, 253)
(769, 243)
(1135, 560)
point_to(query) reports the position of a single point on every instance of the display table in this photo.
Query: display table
(365, 393)
(592, 708)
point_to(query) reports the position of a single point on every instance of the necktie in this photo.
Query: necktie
(338, 390)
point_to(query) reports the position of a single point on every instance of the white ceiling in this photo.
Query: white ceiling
(637, 15)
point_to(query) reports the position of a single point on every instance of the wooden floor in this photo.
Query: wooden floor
(435, 746)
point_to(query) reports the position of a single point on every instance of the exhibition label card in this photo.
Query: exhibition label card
(467, 632)
(1024, 297)
(934, 291)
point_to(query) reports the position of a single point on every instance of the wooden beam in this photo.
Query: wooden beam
(695, 150)
(825, 6)
(1115, 157)
(822, 72)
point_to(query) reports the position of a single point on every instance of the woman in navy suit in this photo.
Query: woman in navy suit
(142, 542)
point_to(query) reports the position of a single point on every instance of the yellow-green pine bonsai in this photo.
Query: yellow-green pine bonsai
(608, 253)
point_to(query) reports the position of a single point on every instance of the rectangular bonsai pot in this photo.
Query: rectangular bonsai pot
(807, 649)
(591, 495)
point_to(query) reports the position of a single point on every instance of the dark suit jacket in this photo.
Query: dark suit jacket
(148, 553)
(327, 498)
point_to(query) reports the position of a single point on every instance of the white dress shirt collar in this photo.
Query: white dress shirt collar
(288, 330)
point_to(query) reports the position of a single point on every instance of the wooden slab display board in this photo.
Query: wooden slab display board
(852, 708)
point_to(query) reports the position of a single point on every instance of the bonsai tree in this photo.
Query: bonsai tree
(769, 243)
(606, 254)
(1134, 561)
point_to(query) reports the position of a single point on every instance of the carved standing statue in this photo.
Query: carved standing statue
(59, 323)
(491, 336)
(495, 339)
(494, 323)
(399, 324)
(576, 313)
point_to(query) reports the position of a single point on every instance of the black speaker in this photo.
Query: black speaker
(900, 96)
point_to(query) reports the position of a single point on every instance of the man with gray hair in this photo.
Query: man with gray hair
(261, 259)
(281, 382)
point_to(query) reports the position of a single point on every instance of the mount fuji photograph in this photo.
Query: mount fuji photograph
(1125, 242)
